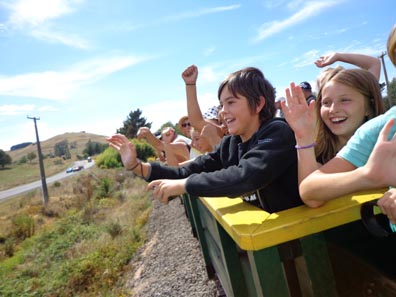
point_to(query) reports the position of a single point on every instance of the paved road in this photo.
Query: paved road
(37, 184)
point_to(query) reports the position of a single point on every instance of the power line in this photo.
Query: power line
(40, 156)
(386, 77)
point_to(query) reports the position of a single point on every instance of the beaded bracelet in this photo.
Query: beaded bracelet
(134, 167)
(301, 147)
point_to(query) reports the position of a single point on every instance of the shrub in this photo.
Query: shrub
(9, 247)
(22, 160)
(23, 226)
(114, 229)
(110, 158)
(57, 184)
(105, 188)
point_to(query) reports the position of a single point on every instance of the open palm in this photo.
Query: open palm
(300, 116)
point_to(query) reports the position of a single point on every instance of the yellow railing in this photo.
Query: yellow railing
(254, 229)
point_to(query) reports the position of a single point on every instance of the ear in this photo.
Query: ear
(261, 104)
(368, 107)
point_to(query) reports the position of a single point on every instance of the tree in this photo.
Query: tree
(392, 91)
(132, 124)
(5, 159)
(31, 156)
(93, 148)
(62, 149)
(391, 94)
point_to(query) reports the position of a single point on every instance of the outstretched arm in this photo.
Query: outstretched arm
(175, 153)
(128, 155)
(369, 63)
(145, 133)
(338, 177)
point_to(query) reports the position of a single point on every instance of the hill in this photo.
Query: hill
(80, 140)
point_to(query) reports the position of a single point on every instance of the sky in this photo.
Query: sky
(84, 65)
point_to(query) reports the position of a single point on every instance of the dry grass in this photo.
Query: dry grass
(15, 175)
(47, 146)
(73, 251)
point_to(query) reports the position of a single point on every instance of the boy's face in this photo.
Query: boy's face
(238, 117)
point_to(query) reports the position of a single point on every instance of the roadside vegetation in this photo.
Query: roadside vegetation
(81, 243)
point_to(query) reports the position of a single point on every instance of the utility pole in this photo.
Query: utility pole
(40, 156)
(386, 78)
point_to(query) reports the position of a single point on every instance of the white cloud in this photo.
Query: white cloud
(309, 10)
(46, 108)
(53, 85)
(36, 18)
(36, 12)
(63, 38)
(198, 13)
(307, 59)
(208, 51)
(208, 74)
(10, 110)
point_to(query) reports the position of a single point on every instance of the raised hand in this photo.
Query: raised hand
(126, 149)
(190, 75)
(326, 60)
(143, 132)
(300, 116)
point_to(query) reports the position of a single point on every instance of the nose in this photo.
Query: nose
(333, 107)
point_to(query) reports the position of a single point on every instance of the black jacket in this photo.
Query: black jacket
(262, 170)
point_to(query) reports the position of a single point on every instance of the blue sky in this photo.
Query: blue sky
(83, 65)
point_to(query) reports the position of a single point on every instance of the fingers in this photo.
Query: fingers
(385, 131)
(295, 95)
(387, 204)
(157, 186)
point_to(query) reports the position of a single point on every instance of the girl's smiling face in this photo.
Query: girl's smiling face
(237, 115)
(343, 110)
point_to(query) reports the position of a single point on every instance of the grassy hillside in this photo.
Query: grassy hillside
(14, 175)
(47, 146)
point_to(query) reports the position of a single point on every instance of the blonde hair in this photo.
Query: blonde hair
(363, 82)
(391, 45)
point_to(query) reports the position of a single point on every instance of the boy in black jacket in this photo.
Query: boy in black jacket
(257, 161)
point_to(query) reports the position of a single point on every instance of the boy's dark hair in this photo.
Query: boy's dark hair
(251, 83)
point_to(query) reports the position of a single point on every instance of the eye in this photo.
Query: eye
(345, 100)
(326, 103)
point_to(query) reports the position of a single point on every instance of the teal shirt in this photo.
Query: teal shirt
(359, 147)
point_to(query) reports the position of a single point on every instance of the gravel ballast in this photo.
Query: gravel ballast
(170, 263)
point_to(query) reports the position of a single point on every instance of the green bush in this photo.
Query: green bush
(110, 158)
(9, 247)
(22, 160)
(24, 226)
(114, 229)
(105, 188)
(143, 149)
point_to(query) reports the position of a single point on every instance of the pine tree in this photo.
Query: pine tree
(132, 124)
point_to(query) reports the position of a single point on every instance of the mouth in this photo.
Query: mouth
(338, 120)
(228, 121)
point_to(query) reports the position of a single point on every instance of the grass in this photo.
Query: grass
(81, 242)
(14, 175)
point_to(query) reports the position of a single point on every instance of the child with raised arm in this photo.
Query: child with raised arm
(348, 170)
(347, 99)
(257, 161)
